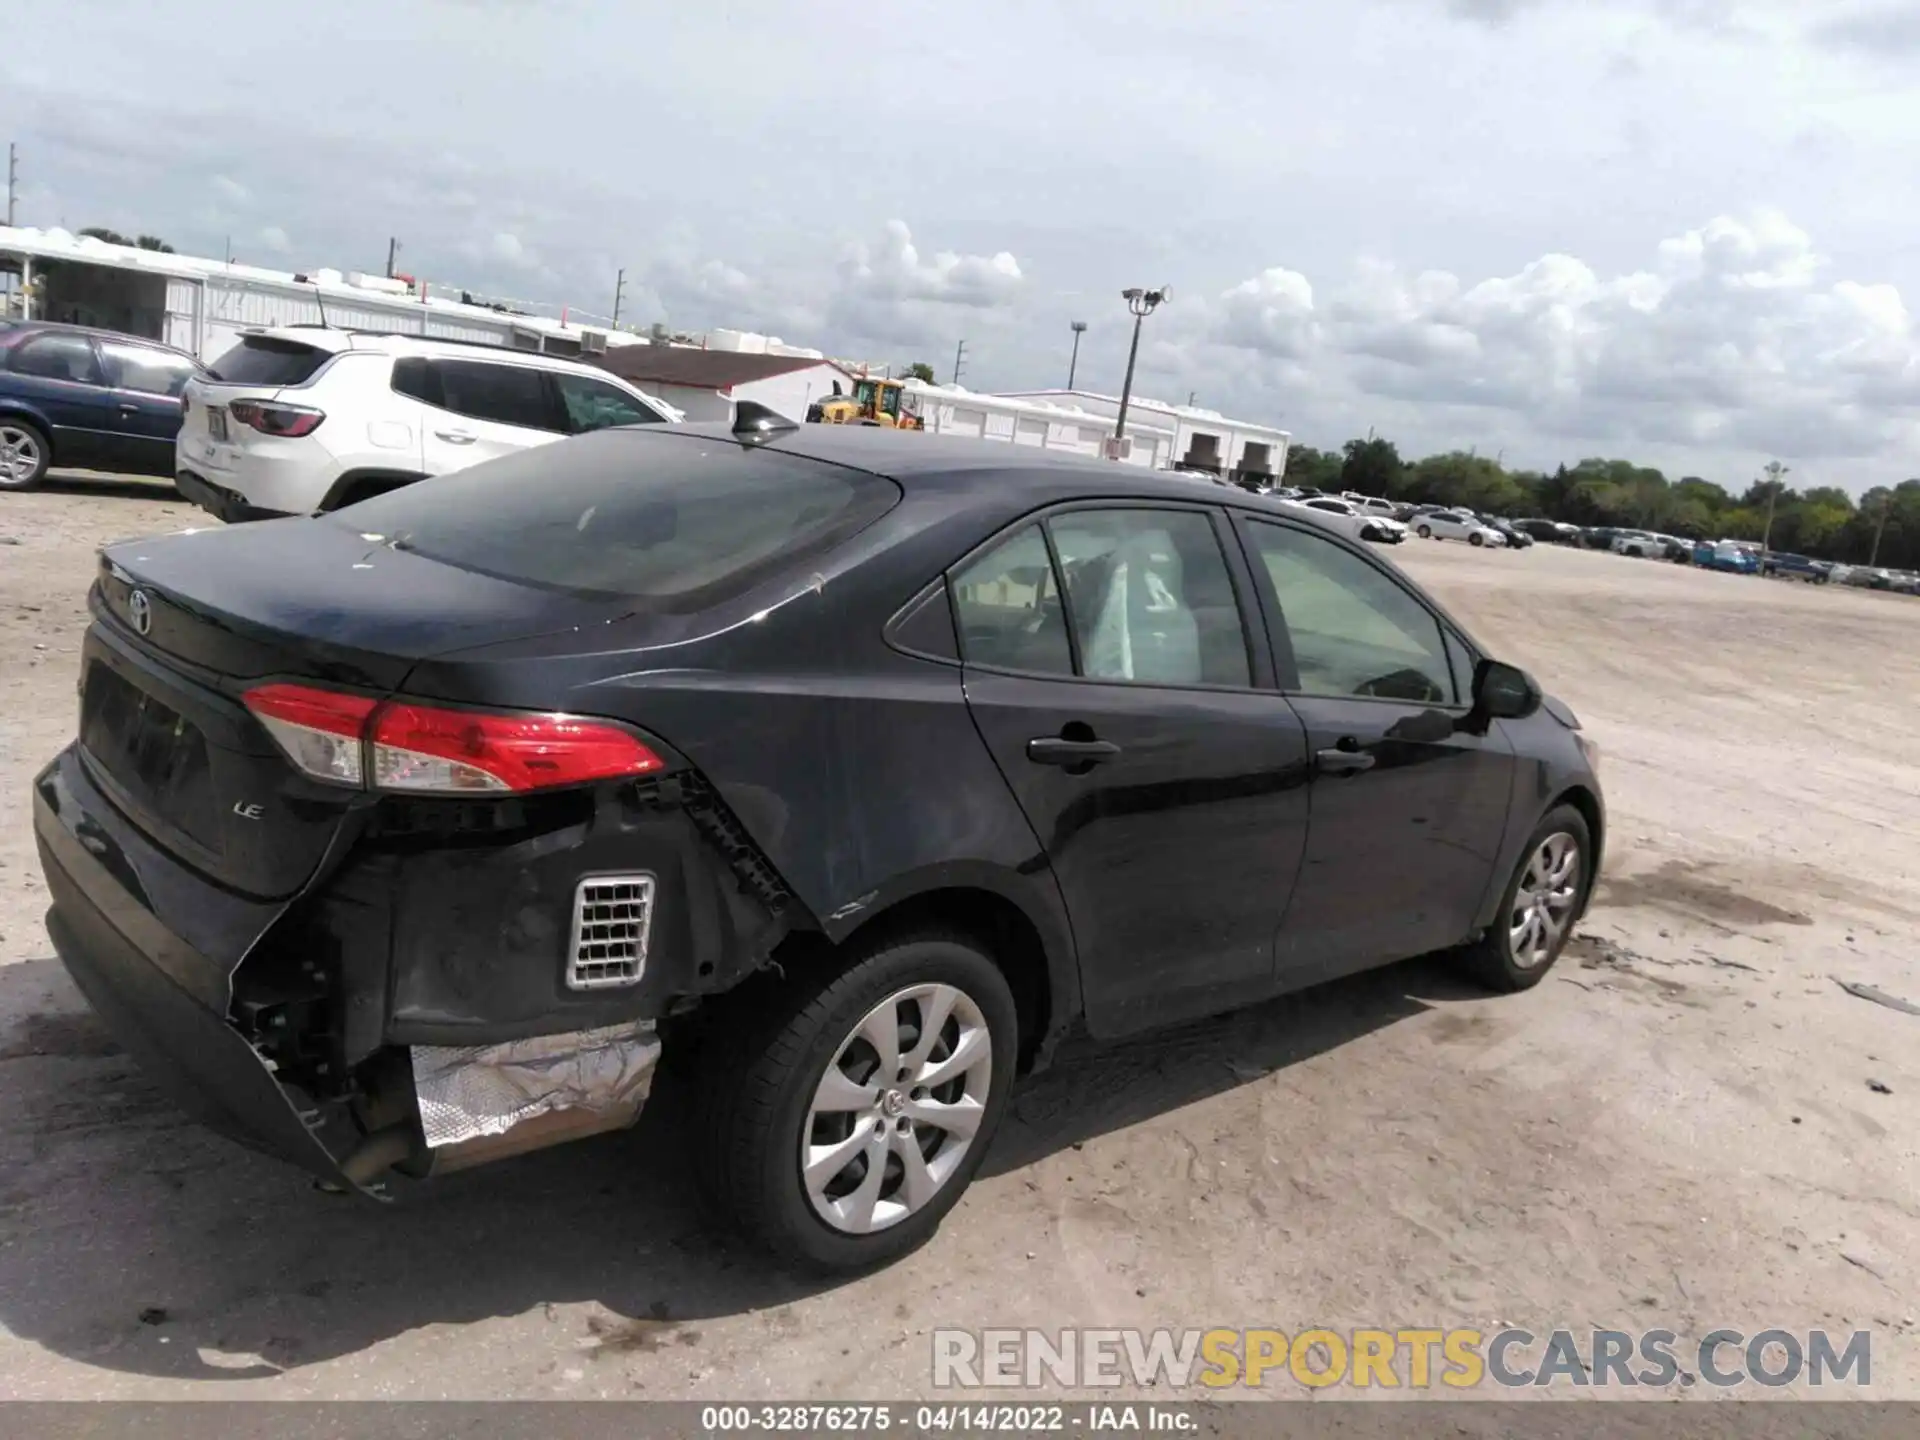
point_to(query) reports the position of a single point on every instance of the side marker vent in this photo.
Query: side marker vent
(611, 917)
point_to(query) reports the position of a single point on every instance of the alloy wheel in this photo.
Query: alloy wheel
(1544, 902)
(19, 455)
(896, 1109)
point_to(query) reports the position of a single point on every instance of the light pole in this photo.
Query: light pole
(1776, 475)
(1073, 365)
(1142, 303)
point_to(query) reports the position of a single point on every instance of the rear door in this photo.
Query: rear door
(1126, 710)
(147, 385)
(58, 372)
(1408, 812)
(486, 409)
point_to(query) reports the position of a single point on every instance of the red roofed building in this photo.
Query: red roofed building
(707, 383)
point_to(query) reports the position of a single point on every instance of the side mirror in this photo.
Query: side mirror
(1503, 692)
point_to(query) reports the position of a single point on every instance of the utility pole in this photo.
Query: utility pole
(1142, 303)
(1190, 395)
(959, 360)
(1073, 365)
(619, 289)
(1776, 473)
(13, 174)
(1886, 509)
(393, 250)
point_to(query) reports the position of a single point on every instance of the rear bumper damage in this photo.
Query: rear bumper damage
(228, 506)
(313, 1030)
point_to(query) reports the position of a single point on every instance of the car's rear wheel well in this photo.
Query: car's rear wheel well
(992, 922)
(358, 485)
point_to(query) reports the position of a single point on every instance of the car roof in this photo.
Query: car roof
(339, 340)
(922, 464)
(20, 329)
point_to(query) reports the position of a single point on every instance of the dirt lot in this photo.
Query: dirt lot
(1677, 1129)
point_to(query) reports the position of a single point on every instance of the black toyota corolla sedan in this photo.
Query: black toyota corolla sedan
(848, 768)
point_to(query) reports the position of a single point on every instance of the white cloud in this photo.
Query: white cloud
(1734, 337)
(894, 270)
(888, 294)
(274, 239)
(231, 190)
(502, 249)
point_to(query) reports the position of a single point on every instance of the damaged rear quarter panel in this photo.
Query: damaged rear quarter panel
(855, 769)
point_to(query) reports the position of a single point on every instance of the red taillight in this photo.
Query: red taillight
(399, 745)
(287, 422)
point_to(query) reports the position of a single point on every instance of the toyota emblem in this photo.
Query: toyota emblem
(140, 611)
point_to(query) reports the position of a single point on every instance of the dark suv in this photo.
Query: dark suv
(86, 399)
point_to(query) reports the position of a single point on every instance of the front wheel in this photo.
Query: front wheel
(1476, 539)
(849, 1116)
(1539, 906)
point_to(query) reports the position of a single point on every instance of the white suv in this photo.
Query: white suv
(304, 419)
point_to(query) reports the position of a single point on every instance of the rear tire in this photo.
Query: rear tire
(769, 1101)
(1425, 532)
(24, 455)
(1539, 906)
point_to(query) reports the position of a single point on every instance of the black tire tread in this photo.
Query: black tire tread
(1486, 958)
(736, 1108)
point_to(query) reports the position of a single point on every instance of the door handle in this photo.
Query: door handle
(1052, 750)
(456, 437)
(128, 408)
(1339, 761)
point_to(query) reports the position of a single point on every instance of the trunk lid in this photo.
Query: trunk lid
(186, 624)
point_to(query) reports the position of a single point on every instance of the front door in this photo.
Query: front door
(147, 384)
(1408, 810)
(1167, 792)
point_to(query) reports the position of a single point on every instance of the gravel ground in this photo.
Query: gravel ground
(1678, 1129)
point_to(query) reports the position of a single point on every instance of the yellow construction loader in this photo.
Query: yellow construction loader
(873, 402)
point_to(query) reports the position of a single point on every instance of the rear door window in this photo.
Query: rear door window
(268, 360)
(58, 357)
(1151, 598)
(674, 525)
(146, 370)
(516, 395)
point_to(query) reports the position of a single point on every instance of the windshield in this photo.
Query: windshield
(673, 524)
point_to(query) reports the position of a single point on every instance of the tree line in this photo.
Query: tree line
(1881, 528)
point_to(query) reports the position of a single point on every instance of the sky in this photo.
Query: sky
(1678, 231)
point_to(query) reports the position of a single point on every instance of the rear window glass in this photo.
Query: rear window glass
(265, 360)
(674, 524)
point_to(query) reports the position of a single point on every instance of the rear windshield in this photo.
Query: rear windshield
(265, 360)
(672, 523)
